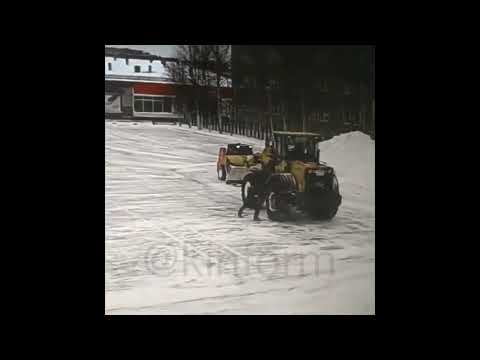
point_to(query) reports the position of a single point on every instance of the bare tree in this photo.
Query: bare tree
(201, 66)
(221, 63)
(190, 69)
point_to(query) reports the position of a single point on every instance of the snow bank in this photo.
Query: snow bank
(353, 157)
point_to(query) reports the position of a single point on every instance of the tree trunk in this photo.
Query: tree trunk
(184, 110)
(284, 116)
(270, 129)
(232, 121)
(303, 112)
(219, 113)
(197, 114)
(186, 116)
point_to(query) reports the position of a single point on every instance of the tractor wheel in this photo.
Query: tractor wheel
(332, 209)
(335, 185)
(277, 209)
(324, 214)
(330, 214)
(247, 191)
(221, 173)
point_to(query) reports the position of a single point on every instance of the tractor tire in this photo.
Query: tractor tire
(329, 212)
(247, 186)
(274, 212)
(330, 215)
(324, 214)
(335, 184)
(221, 173)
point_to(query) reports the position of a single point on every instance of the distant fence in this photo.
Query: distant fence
(227, 125)
(248, 126)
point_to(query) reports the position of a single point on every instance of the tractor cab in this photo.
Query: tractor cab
(297, 146)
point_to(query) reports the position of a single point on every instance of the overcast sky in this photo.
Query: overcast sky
(159, 50)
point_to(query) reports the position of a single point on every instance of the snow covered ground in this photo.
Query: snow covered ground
(174, 244)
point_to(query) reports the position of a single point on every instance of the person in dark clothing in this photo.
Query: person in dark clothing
(259, 190)
(258, 194)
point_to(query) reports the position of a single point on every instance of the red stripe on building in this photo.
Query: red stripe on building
(154, 89)
(170, 89)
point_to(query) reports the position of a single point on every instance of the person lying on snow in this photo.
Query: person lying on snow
(259, 192)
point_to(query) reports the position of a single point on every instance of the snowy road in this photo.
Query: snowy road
(174, 244)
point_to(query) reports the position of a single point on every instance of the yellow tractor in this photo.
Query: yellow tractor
(300, 181)
(233, 162)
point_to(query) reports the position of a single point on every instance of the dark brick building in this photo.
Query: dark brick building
(327, 89)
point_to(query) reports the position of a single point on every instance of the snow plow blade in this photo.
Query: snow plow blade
(235, 174)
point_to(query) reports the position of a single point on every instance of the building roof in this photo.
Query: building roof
(135, 54)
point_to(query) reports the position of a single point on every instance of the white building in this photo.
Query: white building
(117, 66)
(137, 85)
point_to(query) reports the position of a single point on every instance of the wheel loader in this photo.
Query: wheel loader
(299, 182)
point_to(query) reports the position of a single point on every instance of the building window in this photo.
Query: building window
(322, 85)
(347, 89)
(320, 116)
(167, 105)
(109, 66)
(273, 84)
(276, 109)
(149, 68)
(154, 104)
(349, 117)
(148, 105)
(157, 106)
(248, 82)
(137, 68)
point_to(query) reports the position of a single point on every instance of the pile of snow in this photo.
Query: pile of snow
(353, 157)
